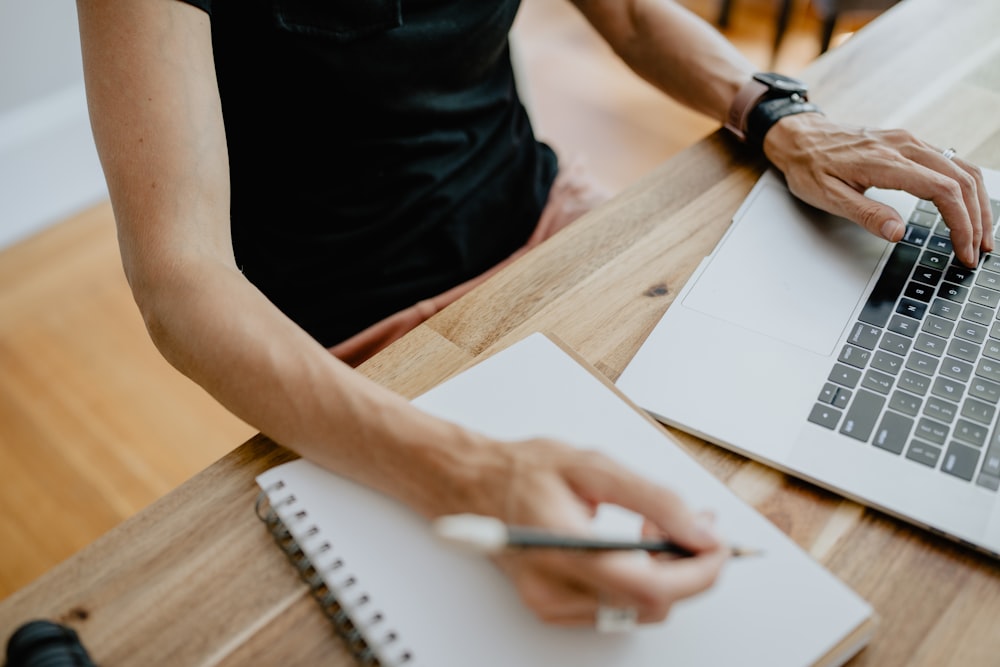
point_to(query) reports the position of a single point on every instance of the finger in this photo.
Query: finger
(652, 585)
(982, 195)
(843, 200)
(960, 173)
(558, 600)
(607, 481)
(554, 600)
(648, 584)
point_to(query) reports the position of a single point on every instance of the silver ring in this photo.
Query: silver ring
(616, 619)
(949, 153)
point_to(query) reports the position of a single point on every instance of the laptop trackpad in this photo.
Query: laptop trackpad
(788, 271)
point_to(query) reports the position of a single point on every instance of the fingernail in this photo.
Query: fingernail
(891, 229)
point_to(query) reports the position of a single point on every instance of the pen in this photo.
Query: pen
(489, 535)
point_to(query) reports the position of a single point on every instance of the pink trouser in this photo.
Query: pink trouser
(573, 193)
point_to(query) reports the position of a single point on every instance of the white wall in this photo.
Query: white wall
(48, 165)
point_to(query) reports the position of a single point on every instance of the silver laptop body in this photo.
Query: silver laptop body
(789, 346)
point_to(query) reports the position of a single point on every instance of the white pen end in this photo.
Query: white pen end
(472, 531)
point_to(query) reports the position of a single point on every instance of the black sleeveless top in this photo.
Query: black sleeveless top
(378, 151)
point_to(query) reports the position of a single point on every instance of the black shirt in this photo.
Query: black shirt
(378, 151)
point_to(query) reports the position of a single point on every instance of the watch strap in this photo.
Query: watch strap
(763, 116)
(752, 92)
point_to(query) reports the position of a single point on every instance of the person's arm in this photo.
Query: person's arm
(157, 121)
(826, 164)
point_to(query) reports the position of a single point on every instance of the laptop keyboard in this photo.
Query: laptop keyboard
(919, 373)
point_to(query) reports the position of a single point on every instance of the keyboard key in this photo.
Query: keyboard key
(986, 297)
(930, 344)
(940, 244)
(922, 363)
(904, 325)
(947, 388)
(825, 416)
(890, 284)
(960, 461)
(963, 349)
(919, 291)
(895, 343)
(953, 292)
(991, 348)
(992, 262)
(916, 235)
(960, 275)
(971, 331)
(984, 389)
(940, 409)
(988, 481)
(906, 403)
(914, 382)
(938, 326)
(865, 336)
(842, 398)
(979, 314)
(854, 356)
(911, 308)
(934, 260)
(956, 369)
(991, 465)
(890, 363)
(927, 206)
(860, 418)
(845, 375)
(930, 430)
(988, 279)
(970, 433)
(946, 309)
(924, 218)
(921, 452)
(989, 369)
(995, 330)
(892, 432)
(833, 395)
(979, 411)
(927, 275)
(877, 381)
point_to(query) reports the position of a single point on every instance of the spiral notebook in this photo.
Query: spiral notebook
(399, 596)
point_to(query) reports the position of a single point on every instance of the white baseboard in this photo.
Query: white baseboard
(48, 164)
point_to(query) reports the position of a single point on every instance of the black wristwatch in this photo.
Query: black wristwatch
(763, 101)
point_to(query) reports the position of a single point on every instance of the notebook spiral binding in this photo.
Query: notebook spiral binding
(343, 602)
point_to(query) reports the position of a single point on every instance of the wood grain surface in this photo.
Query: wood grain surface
(194, 579)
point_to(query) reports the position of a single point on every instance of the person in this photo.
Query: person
(294, 176)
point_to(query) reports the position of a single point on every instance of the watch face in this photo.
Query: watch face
(781, 82)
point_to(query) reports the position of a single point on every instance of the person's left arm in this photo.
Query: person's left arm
(825, 164)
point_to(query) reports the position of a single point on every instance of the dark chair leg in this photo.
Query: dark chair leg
(829, 23)
(781, 26)
(724, 9)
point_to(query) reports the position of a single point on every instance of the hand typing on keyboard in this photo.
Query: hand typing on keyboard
(831, 166)
(918, 374)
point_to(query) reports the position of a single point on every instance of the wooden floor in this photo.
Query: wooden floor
(94, 425)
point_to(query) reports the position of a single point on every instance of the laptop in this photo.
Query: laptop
(868, 368)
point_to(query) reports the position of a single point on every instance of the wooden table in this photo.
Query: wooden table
(196, 580)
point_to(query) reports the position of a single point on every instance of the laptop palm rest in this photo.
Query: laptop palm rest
(788, 271)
